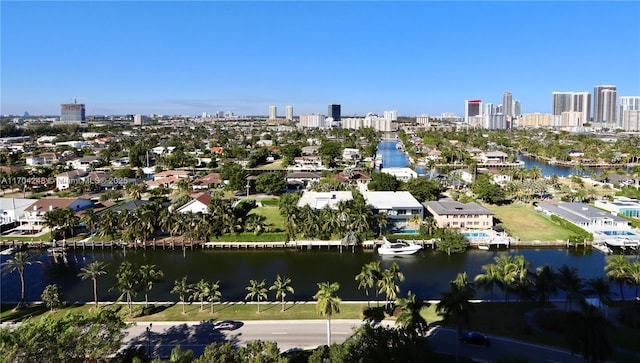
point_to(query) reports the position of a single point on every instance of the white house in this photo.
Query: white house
(11, 209)
(318, 200)
(399, 207)
(402, 174)
(586, 217)
(199, 204)
(84, 163)
(43, 159)
(68, 178)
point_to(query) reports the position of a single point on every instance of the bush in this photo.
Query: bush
(581, 233)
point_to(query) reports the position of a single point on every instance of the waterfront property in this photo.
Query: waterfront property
(586, 217)
(627, 207)
(399, 207)
(452, 214)
(318, 200)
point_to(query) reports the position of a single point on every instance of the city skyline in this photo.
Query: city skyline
(414, 57)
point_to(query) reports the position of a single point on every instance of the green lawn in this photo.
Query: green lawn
(274, 219)
(520, 220)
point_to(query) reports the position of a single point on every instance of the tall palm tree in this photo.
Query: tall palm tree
(214, 293)
(546, 282)
(455, 306)
(256, 290)
(69, 221)
(182, 289)
(282, 286)
(127, 282)
(108, 224)
(90, 219)
(381, 221)
(201, 291)
(634, 276)
(489, 278)
(18, 263)
(92, 271)
(618, 270)
(387, 283)
(570, 283)
(410, 319)
(328, 303)
(369, 277)
(589, 333)
(600, 287)
(149, 274)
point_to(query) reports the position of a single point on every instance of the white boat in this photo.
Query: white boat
(398, 248)
(483, 247)
(9, 251)
(622, 242)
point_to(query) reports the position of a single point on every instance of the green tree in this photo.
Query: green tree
(282, 286)
(256, 290)
(149, 274)
(486, 190)
(274, 183)
(455, 306)
(589, 333)
(214, 293)
(388, 283)
(92, 271)
(489, 278)
(410, 319)
(127, 282)
(424, 189)
(182, 289)
(451, 241)
(52, 296)
(328, 303)
(18, 263)
(201, 291)
(383, 182)
(617, 269)
(570, 283)
(368, 277)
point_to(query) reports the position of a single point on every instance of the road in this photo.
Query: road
(304, 334)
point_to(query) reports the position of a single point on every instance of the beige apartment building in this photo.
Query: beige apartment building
(535, 120)
(451, 214)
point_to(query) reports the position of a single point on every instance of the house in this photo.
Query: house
(310, 150)
(402, 174)
(33, 218)
(399, 207)
(628, 207)
(586, 217)
(207, 182)
(351, 154)
(68, 178)
(130, 205)
(319, 200)
(84, 163)
(308, 162)
(44, 159)
(168, 182)
(493, 157)
(172, 173)
(11, 209)
(355, 177)
(300, 180)
(200, 204)
(452, 214)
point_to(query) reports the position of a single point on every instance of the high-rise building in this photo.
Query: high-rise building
(489, 108)
(391, 115)
(604, 104)
(631, 120)
(313, 120)
(627, 103)
(517, 108)
(507, 104)
(334, 112)
(273, 112)
(570, 102)
(72, 113)
(472, 108)
(289, 113)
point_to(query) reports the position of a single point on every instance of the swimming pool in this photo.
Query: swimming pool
(618, 233)
(475, 234)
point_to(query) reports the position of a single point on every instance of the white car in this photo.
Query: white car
(225, 325)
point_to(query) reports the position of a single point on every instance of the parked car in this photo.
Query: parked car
(475, 338)
(226, 325)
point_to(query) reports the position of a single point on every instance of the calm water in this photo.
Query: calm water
(427, 273)
(549, 170)
(392, 157)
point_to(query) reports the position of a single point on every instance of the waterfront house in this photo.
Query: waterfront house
(627, 207)
(300, 180)
(319, 200)
(586, 217)
(399, 207)
(130, 206)
(33, 218)
(402, 174)
(452, 214)
(199, 204)
(356, 177)
(11, 209)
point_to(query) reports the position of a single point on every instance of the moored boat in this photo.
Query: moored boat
(398, 248)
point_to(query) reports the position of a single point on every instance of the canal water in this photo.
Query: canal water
(427, 273)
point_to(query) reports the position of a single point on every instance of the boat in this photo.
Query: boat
(483, 247)
(622, 242)
(9, 251)
(398, 248)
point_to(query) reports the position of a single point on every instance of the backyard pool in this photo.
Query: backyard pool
(475, 234)
(618, 233)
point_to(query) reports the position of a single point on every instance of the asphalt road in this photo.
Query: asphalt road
(304, 334)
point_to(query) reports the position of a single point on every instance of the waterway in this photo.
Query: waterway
(391, 156)
(427, 273)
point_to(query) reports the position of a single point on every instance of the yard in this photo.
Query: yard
(520, 220)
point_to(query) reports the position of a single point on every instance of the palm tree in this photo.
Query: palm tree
(570, 283)
(90, 219)
(381, 221)
(589, 332)
(108, 224)
(546, 282)
(328, 303)
(387, 283)
(128, 282)
(455, 306)
(634, 276)
(93, 270)
(600, 287)
(489, 278)
(214, 293)
(18, 263)
(415, 221)
(410, 319)
(282, 286)
(69, 221)
(256, 290)
(149, 274)
(201, 291)
(618, 270)
(369, 277)
(182, 289)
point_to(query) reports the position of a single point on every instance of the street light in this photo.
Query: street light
(149, 340)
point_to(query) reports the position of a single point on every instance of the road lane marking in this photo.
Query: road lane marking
(279, 333)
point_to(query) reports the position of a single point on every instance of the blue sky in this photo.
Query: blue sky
(206, 56)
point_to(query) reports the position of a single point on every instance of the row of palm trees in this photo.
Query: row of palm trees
(381, 281)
